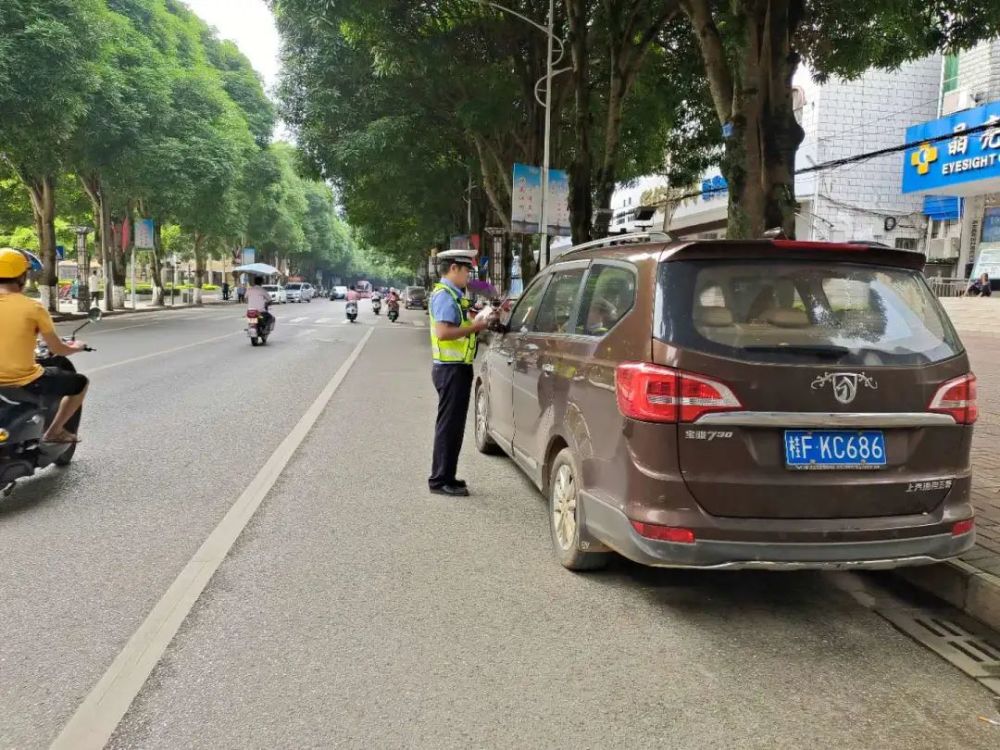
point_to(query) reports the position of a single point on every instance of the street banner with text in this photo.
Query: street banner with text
(527, 201)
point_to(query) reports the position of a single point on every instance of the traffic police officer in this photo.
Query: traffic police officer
(453, 347)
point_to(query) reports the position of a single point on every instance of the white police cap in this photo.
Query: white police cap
(458, 256)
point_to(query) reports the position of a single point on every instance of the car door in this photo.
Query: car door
(537, 362)
(500, 363)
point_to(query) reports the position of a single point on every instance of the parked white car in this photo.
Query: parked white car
(300, 292)
(277, 293)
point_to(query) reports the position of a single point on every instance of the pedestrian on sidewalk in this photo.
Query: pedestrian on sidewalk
(241, 293)
(453, 348)
(225, 291)
(980, 287)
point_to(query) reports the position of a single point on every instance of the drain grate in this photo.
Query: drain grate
(974, 650)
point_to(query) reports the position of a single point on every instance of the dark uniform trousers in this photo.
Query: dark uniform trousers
(454, 386)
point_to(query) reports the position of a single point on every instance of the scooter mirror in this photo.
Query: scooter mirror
(94, 314)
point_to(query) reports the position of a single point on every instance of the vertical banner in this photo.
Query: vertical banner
(526, 211)
(144, 230)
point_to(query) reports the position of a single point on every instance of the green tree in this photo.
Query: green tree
(49, 58)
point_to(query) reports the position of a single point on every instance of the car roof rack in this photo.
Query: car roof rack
(620, 239)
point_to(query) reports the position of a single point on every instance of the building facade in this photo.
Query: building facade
(952, 161)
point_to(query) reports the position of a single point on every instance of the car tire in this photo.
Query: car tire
(564, 508)
(484, 443)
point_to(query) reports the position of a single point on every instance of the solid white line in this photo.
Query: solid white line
(322, 320)
(296, 320)
(93, 723)
(161, 352)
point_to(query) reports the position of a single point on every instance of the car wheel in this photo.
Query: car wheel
(484, 443)
(564, 509)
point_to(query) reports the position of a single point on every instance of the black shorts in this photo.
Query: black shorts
(58, 382)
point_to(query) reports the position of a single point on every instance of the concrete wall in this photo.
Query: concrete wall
(979, 70)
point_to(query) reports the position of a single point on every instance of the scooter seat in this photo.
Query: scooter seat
(20, 396)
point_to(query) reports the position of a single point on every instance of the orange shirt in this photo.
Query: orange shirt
(21, 320)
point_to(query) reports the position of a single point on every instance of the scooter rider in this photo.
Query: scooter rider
(22, 321)
(259, 300)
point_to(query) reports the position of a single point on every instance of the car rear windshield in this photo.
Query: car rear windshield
(801, 312)
(293, 287)
(416, 292)
(270, 287)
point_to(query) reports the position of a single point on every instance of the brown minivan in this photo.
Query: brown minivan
(736, 404)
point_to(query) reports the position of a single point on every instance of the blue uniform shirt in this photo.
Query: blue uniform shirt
(443, 307)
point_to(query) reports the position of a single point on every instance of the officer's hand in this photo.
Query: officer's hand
(480, 325)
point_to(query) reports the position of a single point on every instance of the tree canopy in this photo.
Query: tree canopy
(135, 108)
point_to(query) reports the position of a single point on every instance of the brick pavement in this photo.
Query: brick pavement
(984, 352)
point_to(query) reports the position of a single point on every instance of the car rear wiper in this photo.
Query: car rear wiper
(827, 352)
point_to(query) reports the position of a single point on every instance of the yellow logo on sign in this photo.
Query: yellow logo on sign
(923, 157)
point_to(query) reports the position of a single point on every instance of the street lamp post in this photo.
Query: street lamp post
(82, 270)
(543, 250)
(549, 31)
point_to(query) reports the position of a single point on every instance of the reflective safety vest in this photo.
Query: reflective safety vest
(457, 350)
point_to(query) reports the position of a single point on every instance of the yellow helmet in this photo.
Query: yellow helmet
(13, 264)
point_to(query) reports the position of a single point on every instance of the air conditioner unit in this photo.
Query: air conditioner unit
(944, 248)
(956, 101)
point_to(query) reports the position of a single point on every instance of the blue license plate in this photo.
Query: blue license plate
(834, 449)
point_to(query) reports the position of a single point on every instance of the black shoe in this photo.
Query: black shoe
(452, 490)
(460, 483)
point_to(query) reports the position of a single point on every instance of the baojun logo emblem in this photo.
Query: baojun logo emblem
(845, 384)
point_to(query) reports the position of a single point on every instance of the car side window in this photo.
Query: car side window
(607, 296)
(526, 306)
(559, 303)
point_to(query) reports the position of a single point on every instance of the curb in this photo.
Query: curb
(975, 592)
(68, 317)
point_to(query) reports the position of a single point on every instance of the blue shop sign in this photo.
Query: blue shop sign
(713, 188)
(954, 165)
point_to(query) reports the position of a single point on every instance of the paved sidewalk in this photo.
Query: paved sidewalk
(973, 584)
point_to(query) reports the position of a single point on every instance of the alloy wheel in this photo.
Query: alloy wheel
(564, 507)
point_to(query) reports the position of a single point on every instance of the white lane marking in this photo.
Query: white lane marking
(320, 321)
(95, 720)
(306, 332)
(92, 370)
(296, 320)
(102, 330)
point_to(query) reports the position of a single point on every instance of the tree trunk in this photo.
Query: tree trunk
(581, 203)
(42, 191)
(157, 266)
(199, 267)
(755, 103)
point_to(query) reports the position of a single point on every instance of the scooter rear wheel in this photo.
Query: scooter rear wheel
(67, 457)
(254, 341)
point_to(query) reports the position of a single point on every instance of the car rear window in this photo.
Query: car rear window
(803, 311)
(294, 287)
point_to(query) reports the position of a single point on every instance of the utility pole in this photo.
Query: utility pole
(543, 229)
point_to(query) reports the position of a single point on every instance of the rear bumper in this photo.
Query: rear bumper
(611, 527)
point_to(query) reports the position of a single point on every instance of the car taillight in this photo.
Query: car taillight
(664, 533)
(651, 393)
(963, 527)
(958, 398)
